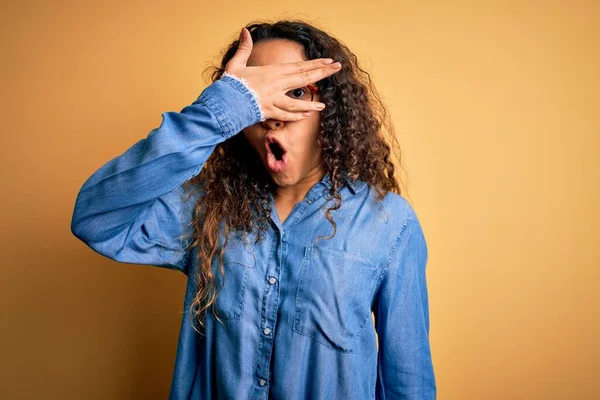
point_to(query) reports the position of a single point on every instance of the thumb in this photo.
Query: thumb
(240, 58)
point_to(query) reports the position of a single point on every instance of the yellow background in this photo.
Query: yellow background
(496, 105)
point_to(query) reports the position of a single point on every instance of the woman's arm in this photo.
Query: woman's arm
(131, 209)
(405, 369)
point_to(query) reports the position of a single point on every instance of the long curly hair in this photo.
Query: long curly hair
(356, 137)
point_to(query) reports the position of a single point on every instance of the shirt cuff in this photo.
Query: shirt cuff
(233, 103)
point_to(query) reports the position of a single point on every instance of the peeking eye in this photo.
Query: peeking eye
(300, 93)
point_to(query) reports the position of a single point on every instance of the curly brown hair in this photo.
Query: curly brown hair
(356, 138)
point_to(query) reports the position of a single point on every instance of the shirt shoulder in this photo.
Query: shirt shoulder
(395, 208)
(369, 227)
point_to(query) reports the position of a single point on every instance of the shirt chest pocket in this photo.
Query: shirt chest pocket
(333, 299)
(231, 287)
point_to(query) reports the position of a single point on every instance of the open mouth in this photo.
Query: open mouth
(276, 150)
(273, 146)
(276, 154)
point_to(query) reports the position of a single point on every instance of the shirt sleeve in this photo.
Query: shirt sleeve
(132, 208)
(404, 367)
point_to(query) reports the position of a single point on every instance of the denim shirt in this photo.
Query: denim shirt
(297, 316)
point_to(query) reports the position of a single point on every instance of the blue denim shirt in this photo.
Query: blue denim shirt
(298, 316)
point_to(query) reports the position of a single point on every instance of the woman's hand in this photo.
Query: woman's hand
(272, 82)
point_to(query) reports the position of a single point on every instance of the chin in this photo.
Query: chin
(284, 178)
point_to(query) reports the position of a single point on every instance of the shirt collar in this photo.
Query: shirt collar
(354, 185)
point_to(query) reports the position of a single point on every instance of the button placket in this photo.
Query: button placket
(270, 301)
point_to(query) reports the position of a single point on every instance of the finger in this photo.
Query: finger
(299, 66)
(289, 104)
(283, 115)
(304, 78)
(240, 58)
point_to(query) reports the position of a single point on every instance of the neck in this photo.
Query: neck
(298, 191)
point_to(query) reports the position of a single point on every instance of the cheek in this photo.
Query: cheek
(314, 126)
(316, 118)
(310, 133)
(252, 136)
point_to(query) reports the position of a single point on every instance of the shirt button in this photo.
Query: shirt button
(262, 382)
(272, 280)
(267, 331)
(309, 201)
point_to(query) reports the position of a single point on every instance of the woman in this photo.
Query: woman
(275, 194)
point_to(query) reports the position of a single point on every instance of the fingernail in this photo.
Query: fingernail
(320, 106)
(306, 114)
(328, 61)
(337, 65)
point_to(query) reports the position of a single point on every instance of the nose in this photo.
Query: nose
(273, 124)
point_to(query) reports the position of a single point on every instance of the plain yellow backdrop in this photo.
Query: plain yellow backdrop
(496, 105)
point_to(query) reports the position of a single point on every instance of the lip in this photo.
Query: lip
(272, 139)
(275, 166)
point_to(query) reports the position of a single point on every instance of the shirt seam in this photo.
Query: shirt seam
(393, 249)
